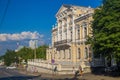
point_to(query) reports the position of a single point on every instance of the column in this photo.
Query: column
(68, 32)
(73, 28)
(83, 32)
(58, 35)
(88, 51)
(62, 30)
(67, 55)
(80, 32)
(76, 31)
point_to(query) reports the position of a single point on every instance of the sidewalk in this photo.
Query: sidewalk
(87, 76)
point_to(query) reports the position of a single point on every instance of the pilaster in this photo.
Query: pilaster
(73, 29)
(74, 51)
(58, 33)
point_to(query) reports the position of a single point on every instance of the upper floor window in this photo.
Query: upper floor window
(84, 24)
(78, 32)
(85, 32)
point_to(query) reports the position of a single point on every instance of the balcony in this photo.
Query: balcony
(62, 42)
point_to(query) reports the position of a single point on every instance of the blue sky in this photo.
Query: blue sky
(33, 16)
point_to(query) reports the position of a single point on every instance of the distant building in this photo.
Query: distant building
(18, 47)
(33, 44)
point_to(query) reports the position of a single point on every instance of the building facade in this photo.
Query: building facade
(69, 35)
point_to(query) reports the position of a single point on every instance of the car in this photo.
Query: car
(10, 67)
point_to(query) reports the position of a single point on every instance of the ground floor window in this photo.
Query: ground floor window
(86, 53)
(69, 54)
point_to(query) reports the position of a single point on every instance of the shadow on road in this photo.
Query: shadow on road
(20, 78)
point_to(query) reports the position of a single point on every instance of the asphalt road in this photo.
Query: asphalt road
(14, 74)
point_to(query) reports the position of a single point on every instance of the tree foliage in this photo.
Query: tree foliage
(10, 57)
(106, 29)
(24, 54)
(41, 51)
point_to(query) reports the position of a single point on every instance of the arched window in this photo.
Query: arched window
(79, 53)
(86, 53)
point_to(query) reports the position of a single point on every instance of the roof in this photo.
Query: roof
(66, 6)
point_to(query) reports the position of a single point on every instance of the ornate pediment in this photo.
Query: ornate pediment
(63, 8)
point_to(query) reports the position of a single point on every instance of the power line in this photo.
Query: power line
(4, 14)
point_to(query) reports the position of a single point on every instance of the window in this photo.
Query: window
(85, 29)
(79, 54)
(71, 35)
(85, 32)
(69, 54)
(86, 53)
(78, 32)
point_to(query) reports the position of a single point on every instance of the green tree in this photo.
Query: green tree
(106, 30)
(41, 51)
(10, 57)
(25, 53)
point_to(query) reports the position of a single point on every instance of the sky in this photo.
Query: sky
(23, 20)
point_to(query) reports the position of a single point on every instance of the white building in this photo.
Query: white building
(33, 44)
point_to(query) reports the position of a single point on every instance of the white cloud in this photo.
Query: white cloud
(21, 36)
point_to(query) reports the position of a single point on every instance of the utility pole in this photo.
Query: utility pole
(35, 50)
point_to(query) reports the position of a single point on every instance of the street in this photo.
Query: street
(13, 74)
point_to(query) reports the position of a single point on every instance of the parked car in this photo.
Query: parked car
(10, 67)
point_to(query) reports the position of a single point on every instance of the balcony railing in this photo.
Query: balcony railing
(62, 42)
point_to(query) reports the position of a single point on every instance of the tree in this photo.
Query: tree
(10, 57)
(25, 53)
(106, 30)
(41, 51)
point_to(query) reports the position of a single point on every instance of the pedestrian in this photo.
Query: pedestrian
(81, 70)
(55, 70)
(73, 70)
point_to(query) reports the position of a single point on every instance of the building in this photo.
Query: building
(69, 49)
(33, 44)
(19, 47)
(69, 35)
